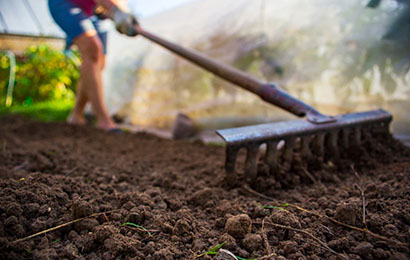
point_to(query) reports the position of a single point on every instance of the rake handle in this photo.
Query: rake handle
(267, 91)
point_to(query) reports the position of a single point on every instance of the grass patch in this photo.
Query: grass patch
(48, 111)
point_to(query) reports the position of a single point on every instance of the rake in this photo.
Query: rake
(316, 138)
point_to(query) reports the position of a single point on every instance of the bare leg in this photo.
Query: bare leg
(77, 114)
(90, 85)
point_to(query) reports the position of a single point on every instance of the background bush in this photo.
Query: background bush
(42, 74)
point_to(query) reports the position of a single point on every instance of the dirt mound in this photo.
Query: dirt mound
(151, 198)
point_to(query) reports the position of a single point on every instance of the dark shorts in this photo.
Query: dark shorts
(74, 21)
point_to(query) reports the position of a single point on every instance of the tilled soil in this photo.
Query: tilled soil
(151, 198)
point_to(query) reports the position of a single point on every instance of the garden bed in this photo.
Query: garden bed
(152, 198)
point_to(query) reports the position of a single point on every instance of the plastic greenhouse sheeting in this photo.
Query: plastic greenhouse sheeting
(331, 54)
(28, 17)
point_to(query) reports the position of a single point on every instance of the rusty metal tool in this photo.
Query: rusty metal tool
(318, 136)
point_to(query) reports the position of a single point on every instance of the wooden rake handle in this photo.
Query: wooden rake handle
(267, 91)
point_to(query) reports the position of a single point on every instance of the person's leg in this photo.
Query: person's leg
(91, 88)
(82, 31)
(77, 114)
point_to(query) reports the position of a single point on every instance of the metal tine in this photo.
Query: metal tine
(251, 163)
(305, 147)
(288, 153)
(319, 145)
(271, 157)
(358, 135)
(230, 163)
(332, 144)
(345, 132)
(345, 137)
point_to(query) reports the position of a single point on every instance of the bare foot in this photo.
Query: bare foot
(108, 125)
(76, 120)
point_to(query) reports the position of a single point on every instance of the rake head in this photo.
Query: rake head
(312, 142)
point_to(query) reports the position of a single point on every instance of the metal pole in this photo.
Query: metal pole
(12, 75)
(3, 22)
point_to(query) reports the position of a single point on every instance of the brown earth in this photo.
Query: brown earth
(51, 174)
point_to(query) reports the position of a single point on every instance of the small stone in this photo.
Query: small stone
(128, 205)
(43, 243)
(11, 221)
(110, 244)
(166, 228)
(363, 249)
(183, 127)
(224, 207)
(44, 209)
(135, 217)
(19, 231)
(50, 253)
(80, 208)
(290, 247)
(220, 223)
(31, 210)
(38, 225)
(285, 218)
(182, 227)
(339, 244)
(198, 245)
(348, 212)
(399, 256)
(70, 251)
(201, 197)
(381, 254)
(163, 254)
(261, 212)
(149, 248)
(230, 242)
(14, 210)
(252, 242)
(72, 236)
(238, 226)
(243, 253)
(86, 224)
(390, 230)
(103, 232)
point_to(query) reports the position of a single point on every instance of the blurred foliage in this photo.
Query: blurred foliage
(55, 110)
(42, 74)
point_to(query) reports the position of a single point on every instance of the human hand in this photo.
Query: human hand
(124, 22)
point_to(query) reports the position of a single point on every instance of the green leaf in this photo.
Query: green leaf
(135, 225)
(275, 207)
(214, 250)
(240, 258)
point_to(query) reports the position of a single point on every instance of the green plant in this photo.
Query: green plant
(54, 110)
(42, 74)
(136, 226)
(214, 250)
(277, 207)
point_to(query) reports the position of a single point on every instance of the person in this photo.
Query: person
(83, 29)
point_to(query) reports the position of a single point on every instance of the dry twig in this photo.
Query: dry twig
(364, 230)
(307, 234)
(265, 238)
(266, 256)
(362, 196)
(309, 175)
(61, 226)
